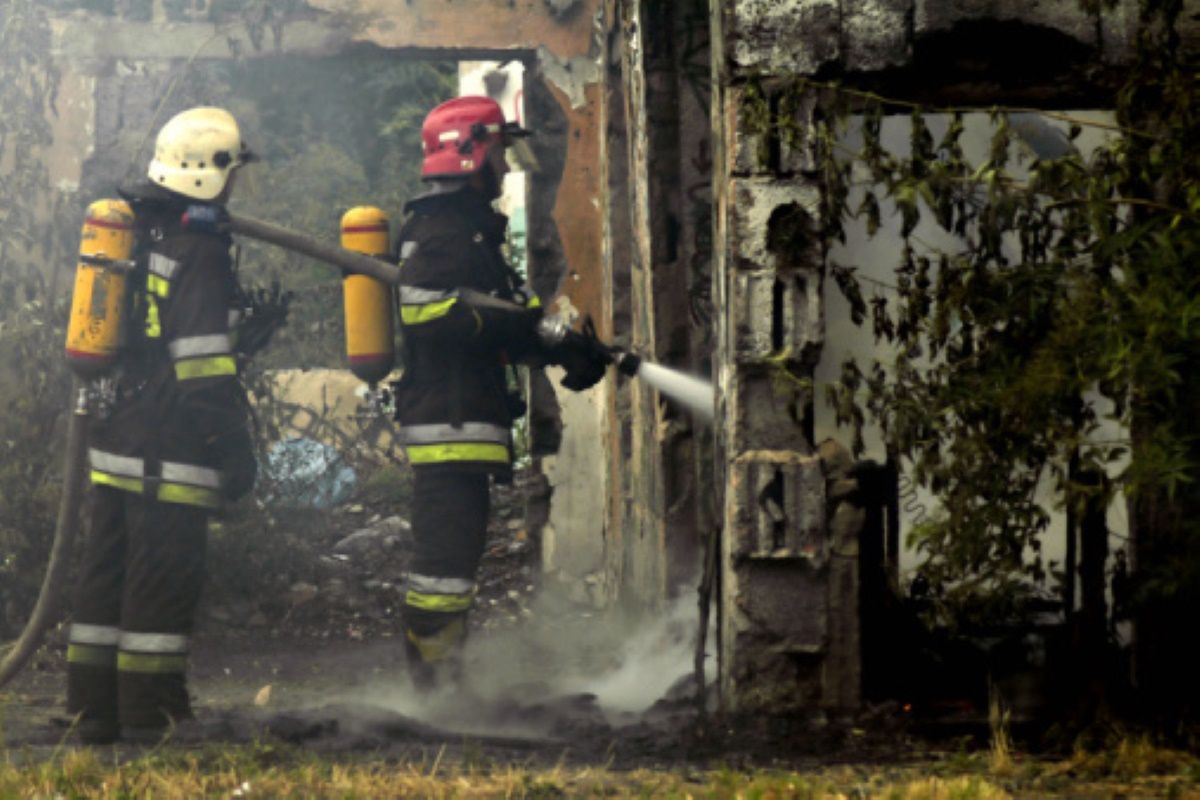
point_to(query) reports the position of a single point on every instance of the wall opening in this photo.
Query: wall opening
(876, 258)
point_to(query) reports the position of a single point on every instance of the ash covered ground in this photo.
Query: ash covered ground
(298, 639)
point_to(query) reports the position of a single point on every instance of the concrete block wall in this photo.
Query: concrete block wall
(799, 37)
(775, 604)
(789, 560)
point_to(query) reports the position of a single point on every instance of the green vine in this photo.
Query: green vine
(1072, 302)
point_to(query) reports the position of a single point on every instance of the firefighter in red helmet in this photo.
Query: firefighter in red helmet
(464, 314)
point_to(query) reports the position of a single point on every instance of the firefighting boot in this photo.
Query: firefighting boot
(91, 697)
(434, 658)
(97, 731)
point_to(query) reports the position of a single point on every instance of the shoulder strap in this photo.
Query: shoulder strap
(402, 252)
(135, 313)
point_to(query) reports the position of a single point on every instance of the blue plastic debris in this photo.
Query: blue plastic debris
(304, 473)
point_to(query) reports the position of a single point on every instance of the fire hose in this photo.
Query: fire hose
(554, 332)
(47, 609)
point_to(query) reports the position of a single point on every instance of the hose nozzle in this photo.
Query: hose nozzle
(627, 363)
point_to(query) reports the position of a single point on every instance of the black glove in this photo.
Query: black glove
(265, 311)
(583, 358)
(582, 372)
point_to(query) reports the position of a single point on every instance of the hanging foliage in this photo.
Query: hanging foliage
(1071, 301)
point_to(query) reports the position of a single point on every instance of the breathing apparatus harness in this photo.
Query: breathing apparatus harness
(261, 310)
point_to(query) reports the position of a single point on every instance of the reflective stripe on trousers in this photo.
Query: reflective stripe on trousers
(448, 598)
(155, 653)
(81, 633)
(439, 594)
(108, 646)
(93, 645)
(189, 484)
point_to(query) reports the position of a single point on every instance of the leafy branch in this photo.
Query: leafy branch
(1069, 307)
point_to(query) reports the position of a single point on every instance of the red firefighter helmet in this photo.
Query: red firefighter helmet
(457, 135)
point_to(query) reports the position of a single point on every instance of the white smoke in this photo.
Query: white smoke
(653, 660)
(550, 670)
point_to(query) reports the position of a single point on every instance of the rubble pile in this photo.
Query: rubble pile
(338, 572)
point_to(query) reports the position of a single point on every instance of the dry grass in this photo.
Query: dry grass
(1134, 769)
(82, 775)
(1001, 742)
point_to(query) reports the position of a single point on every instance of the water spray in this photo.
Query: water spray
(693, 393)
(689, 391)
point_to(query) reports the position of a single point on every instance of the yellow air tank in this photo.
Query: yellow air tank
(94, 329)
(370, 348)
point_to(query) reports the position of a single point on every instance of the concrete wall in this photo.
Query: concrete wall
(327, 405)
(788, 618)
(662, 547)
(650, 549)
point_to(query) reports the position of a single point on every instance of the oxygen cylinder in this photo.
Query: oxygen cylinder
(94, 329)
(370, 348)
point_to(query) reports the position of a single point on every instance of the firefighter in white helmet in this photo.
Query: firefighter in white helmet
(176, 445)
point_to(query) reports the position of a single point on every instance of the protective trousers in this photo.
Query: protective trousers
(450, 515)
(143, 570)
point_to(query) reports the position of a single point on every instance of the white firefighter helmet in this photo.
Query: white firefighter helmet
(196, 151)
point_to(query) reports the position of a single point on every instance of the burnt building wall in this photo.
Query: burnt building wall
(790, 633)
(685, 229)
(662, 531)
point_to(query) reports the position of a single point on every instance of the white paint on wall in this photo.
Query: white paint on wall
(875, 259)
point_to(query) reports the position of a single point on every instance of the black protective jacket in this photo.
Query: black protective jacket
(464, 317)
(179, 429)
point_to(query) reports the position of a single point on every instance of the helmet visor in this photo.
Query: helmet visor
(520, 156)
